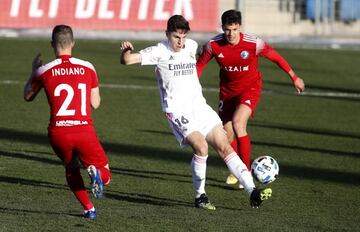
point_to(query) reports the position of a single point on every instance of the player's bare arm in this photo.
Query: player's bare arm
(29, 92)
(95, 98)
(127, 57)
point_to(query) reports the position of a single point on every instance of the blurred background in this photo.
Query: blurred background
(318, 22)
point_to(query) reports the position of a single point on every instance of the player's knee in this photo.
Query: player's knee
(239, 127)
(201, 148)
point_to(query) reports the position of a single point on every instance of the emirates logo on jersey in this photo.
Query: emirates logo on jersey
(244, 54)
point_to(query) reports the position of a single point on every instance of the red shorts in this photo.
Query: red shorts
(79, 140)
(249, 96)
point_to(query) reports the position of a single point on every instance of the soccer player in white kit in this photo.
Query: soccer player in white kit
(192, 121)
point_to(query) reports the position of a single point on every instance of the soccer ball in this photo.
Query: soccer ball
(265, 169)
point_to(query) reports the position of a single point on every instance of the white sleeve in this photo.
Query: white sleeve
(150, 55)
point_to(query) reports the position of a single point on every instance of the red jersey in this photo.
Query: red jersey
(67, 82)
(238, 63)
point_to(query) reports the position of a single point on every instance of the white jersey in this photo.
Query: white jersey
(176, 74)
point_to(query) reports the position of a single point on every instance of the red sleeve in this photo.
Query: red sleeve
(203, 59)
(270, 53)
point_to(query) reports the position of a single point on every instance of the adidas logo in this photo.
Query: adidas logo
(248, 102)
(171, 58)
(221, 55)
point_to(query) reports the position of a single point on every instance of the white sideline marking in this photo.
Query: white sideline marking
(142, 87)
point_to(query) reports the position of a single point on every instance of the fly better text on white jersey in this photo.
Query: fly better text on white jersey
(182, 69)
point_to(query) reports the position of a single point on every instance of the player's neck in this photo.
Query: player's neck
(66, 52)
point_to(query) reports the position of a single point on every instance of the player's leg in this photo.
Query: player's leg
(94, 159)
(61, 143)
(231, 179)
(217, 139)
(230, 135)
(227, 108)
(184, 127)
(76, 184)
(245, 106)
(240, 119)
(198, 166)
(198, 162)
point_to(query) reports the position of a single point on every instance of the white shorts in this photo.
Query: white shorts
(200, 117)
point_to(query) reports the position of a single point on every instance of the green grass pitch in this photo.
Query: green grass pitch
(314, 137)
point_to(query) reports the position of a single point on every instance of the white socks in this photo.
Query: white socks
(198, 169)
(92, 209)
(238, 169)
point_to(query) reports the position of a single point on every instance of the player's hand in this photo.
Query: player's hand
(299, 85)
(37, 62)
(126, 45)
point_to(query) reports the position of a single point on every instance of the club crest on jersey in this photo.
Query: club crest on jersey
(244, 54)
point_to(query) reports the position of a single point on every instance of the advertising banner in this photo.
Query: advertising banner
(133, 15)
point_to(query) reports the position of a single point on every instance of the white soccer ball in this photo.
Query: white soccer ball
(265, 169)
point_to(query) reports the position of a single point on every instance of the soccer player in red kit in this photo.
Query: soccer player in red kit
(71, 87)
(237, 54)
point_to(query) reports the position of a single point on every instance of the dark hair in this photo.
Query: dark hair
(230, 17)
(176, 22)
(62, 36)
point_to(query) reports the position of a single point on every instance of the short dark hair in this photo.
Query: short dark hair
(62, 36)
(230, 17)
(176, 22)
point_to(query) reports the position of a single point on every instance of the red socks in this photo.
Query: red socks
(242, 146)
(234, 145)
(76, 184)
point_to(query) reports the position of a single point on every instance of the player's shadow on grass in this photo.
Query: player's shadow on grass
(7, 210)
(144, 199)
(140, 198)
(36, 183)
(313, 88)
(32, 155)
(321, 174)
(301, 148)
(185, 157)
(312, 130)
(116, 195)
(23, 136)
(167, 133)
(169, 176)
